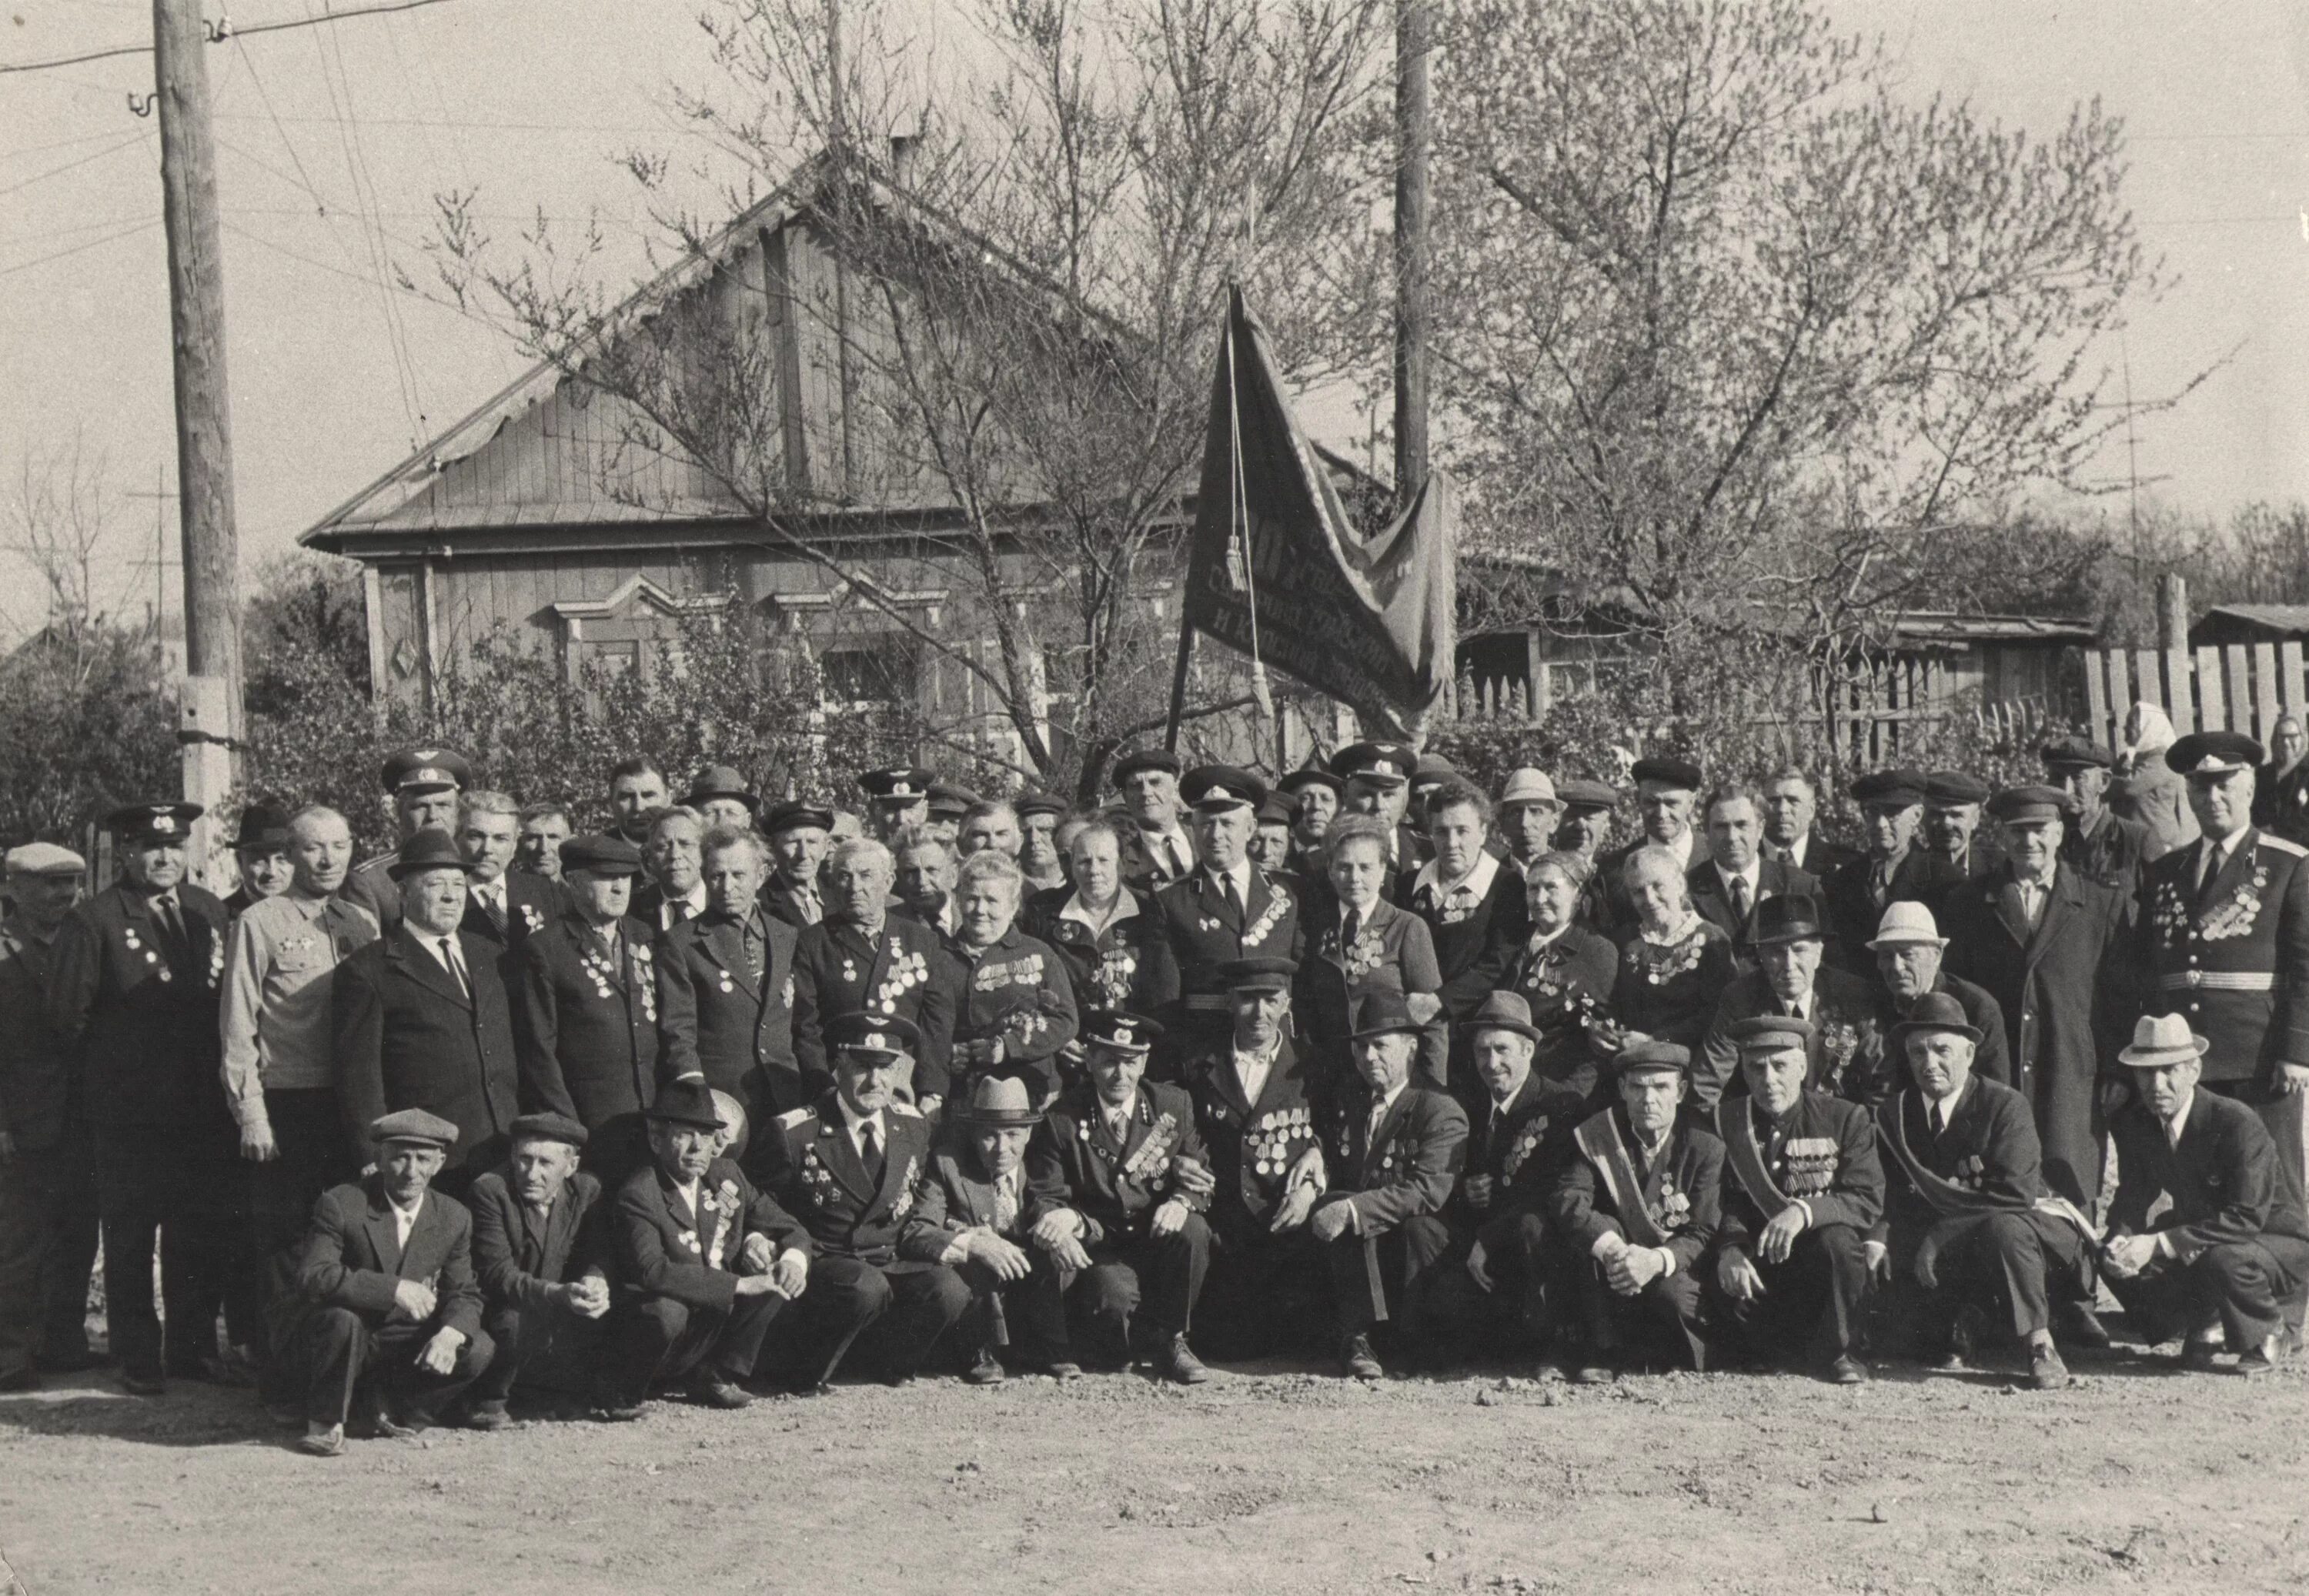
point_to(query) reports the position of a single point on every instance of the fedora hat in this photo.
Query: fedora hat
(999, 1102)
(1383, 1013)
(1788, 916)
(1906, 924)
(1935, 1011)
(1503, 1011)
(2159, 1041)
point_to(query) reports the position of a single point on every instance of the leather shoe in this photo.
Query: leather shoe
(2260, 1359)
(1355, 1356)
(711, 1391)
(488, 1415)
(323, 1440)
(390, 1429)
(1176, 1360)
(2197, 1357)
(2047, 1372)
(616, 1410)
(985, 1369)
(79, 1360)
(137, 1384)
(1845, 1370)
(2076, 1323)
(1589, 1374)
(1063, 1371)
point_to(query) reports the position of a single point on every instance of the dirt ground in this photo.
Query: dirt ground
(1276, 1481)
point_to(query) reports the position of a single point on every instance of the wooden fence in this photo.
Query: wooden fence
(2240, 687)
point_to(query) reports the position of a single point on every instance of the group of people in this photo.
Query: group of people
(738, 1095)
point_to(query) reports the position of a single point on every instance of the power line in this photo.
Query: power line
(219, 37)
(77, 248)
(111, 148)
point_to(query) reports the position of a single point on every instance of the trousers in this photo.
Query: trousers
(1811, 1299)
(47, 1249)
(897, 1310)
(343, 1357)
(656, 1340)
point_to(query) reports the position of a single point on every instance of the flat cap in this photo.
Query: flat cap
(1266, 974)
(426, 770)
(413, 1124)
(1122, 1032)
(885, 1036)
(1384, 763)
(1146, 759)
(1769, 1032)
(1215, 788)
(1433, 770)
(2029, 806)
(2215, 753)
(45, 858)
(159, 817)
(721, 781)
(2075, 753)
(951, 800)
(686, 1100)
(263, 825)
(429, 850)
(1580, 792)
(904, 784)
(1652, 1057)
(1895, 788)
(1955, 787)
(1279, 809)
(793, 815)
(603, 855)
(550, 1127)
(1680, 774)
(1038, 803)
(1299, 781)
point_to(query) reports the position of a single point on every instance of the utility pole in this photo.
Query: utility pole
(210, 722)
(1414, 121)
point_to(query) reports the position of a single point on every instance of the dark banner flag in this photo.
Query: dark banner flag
(1278, 571)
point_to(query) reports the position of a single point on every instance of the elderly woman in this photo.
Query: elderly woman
(1675, 966)
(2149, 790)
(1017, 1007)
(1104, 929)
(1358, 944)
(1562, 970)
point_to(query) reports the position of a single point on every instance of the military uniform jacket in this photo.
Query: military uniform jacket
(2233, 958)
(1204, 932)
(533, 903)
(142, 1028)
(1567, 981)
(1774, 878)
(809, 1161)
(2225, 1182)
(522, 1258)
(902, 971)
(39, 1091)
(370, 885)
(407, 1035)
(663, 1248)
(1139, 864)
(951, 1195)
(1018, 991)
(352, 1257)
(586, 1022)
(1408, 1165)
(1847, 1048)
(1127, 966)
(1522, 1147)
(1116, 1187)
(1252, 1147)
(716, 1018)
(1674, 1200)
(1823, 1154)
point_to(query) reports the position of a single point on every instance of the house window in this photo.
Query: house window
(874, 675)
(608, 657)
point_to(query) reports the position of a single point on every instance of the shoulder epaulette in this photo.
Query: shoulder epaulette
(795, 1118)
(2284, 845)
(908, 1109)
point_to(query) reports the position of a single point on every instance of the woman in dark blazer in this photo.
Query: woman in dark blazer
(1674, 967)
(1107, 935)
(1358, 944)
(1562, 970)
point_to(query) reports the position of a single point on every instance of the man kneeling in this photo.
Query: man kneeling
(1632, 1212)
(386, 1315)
(539, 1249)
(973, 1208)
(1973, 1219)
(705, 1262)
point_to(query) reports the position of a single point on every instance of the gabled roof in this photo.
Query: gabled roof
(2276, 620)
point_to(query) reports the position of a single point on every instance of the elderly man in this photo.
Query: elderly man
(704, 1263)
(2050, 947)
(2097, 842)
(1892, 871)
(585, 994)
(1518, 1141)
(1316, 794)
(1398, 1149)
(49, 1201)
(1256, 1110)
(975, 1209)
(1157, 850)
(1583, 833)
(990, 824)
(1129, 1220)
(1790, 981)
(507, 904)
(259, 852)
(424, 783)
(846, 1167)
(1474, 908)
(948, 803)
(1270, 840)
(540, 1256)
(722, 798)
(280, 1074)
(2205, 1241)
(722, 986)
(134, 1003)
(384, 1324)
(638, 793)
(895, 799)
(1530, 811)
(922, 879)
(799, 835)
(420, 1019)
(1377, 783)
(1791, 802)
(1039, 853)
(1802, 1191)
(861, 959)
(1949, 828)
(2224, 925)
(1971, 1221)
(1228, 908)
(1017, 1007)
(1735, 877)
(1633, 1211)
(675, 857)
(544, 828)
(1909, 950)
(1666, 791)
(2280, 792)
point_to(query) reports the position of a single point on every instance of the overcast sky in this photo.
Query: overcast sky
(335, 139)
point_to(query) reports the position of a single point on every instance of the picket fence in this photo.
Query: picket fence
(2236, 687)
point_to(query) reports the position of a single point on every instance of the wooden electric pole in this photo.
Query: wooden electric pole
(210, 725)
(1415, 39)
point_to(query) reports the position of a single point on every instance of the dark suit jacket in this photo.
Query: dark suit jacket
(1847, 1048)
(663, 1248)
(808, 1162)
(1774, 878)
(1821, 855)
(1992, 1059)
(1252, 1147)
(533, 903)
(1407, 1166)
(1020, 991)
(1472, 951)
(1522, 1148)
(141, 1030)
(1127, 966)
(1137, 860)
(779, 901)
(714, 1019)
(1116, 1188)
(587, 1031)
(351, 1257)
(1823, 1154)
(904, 972)
(1847, 899)
(2113, 855)
(1564, 981)
(2225, 1179)
(520, 1262)
(406, 1036)
(1393, 952)
(1988, 1147)
(1690, 1167)
(39, 1093)
(951, 1195)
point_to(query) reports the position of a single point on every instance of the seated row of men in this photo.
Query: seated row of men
(1240, 1209)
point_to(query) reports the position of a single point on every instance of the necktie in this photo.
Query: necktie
(172, 930)
(1233, 897)
(1352, 929)
(682, 910)
(1179, 863)
(870, 1150)
(806, 905)
(455, 963)
(1935, 1120)
(494, 903)
(1738, 886)
(2212, 865)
